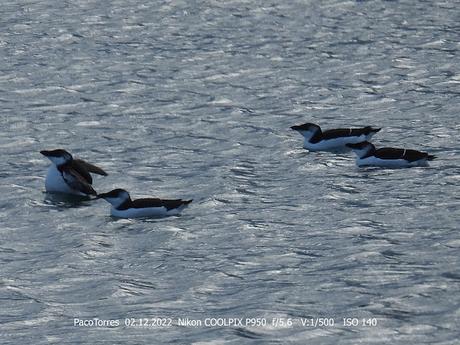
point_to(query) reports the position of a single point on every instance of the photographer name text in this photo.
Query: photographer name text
(274, 322)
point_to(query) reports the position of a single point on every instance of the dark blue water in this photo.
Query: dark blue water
(194, 99)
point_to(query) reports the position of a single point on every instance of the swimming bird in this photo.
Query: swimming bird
(124, 207)
(69, 175)
(389, 157)
(333, 139)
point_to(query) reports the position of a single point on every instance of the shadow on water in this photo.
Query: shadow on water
(64, 201)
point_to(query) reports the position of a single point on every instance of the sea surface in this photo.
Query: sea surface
(194, 99)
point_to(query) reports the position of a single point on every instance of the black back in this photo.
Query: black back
(342, 132)
(393, 153)
(153, 202)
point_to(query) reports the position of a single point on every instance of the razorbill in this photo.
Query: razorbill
(389, 157)
(69, 175)
(124, 207)
(333, 139)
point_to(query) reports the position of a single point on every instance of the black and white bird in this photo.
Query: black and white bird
(389, 157)
(69, 175)
(124, 207)
(333, 139)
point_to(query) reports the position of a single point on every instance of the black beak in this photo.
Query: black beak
(101, 196)
(295, 128)
(45, 153)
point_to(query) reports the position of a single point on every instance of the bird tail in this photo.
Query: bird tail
(372, 130)
(431, 157)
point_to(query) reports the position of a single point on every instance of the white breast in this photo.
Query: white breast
(389, 163)
(336, 144)
(145, 212)
(54, 182)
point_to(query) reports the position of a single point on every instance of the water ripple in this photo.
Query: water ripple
(186, 100)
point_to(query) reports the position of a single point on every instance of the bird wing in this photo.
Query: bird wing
(339, 133)
(79, 167)
(154, 202)
(414, 155)
(390, 153)
(80, 164)
(348, 132)
(77, 181)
